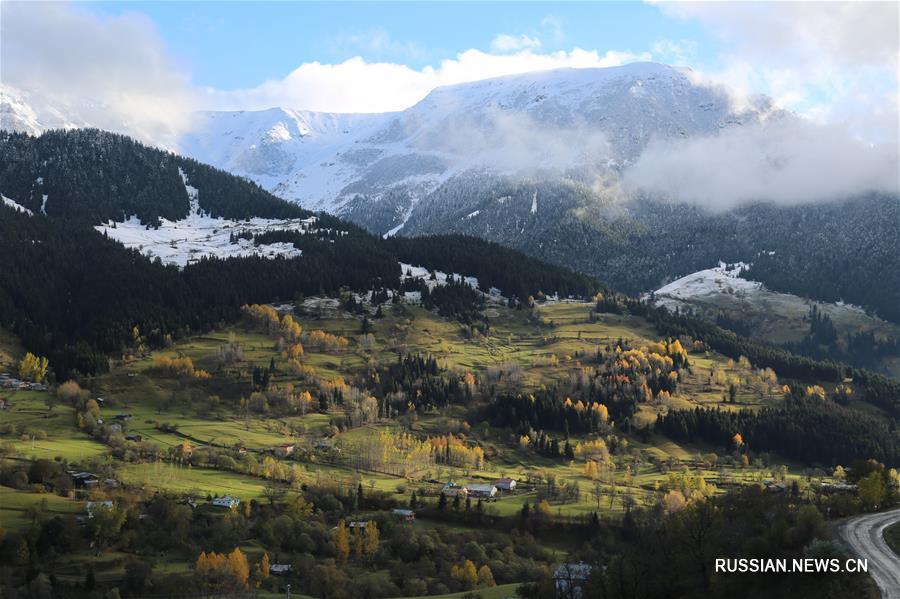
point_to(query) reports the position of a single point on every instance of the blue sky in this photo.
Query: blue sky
(237, 45)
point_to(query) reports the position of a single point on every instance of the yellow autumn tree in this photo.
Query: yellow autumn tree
(223, 572)
(466, 575)
(370, 540)
(542, 509)
(290, 328)
(486, 577)
(239, 568)
(602, 412)
(33, 368)
(815, 391)
(262, 571)
(342, 542)
(674, 501)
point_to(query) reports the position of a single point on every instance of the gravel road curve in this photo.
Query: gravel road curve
(865, 535)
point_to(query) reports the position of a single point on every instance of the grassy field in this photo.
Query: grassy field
(14, 505)
(548, 345)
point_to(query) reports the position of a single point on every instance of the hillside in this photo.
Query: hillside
(193, 367)
(535, 162)
(331, 411)
(838, 331)
(72, 292)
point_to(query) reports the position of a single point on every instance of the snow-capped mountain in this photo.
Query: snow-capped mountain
(287, 151)
(395, 170)
(376, 169)
(27, 113)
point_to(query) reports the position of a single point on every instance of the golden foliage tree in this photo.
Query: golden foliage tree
(486, 577)
(263, 567)
(33, 368)
(466, 575)
(370, 540)
(342, 542)
(221, 572)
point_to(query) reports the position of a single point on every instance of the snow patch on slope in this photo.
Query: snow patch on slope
(199, 235)
(409, 271)
(16, 206)
(723, 278)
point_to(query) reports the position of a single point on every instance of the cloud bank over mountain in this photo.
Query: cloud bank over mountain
(787, 161)
(112, 73)
(834, 64)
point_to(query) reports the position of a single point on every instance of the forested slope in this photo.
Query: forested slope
(75, 296)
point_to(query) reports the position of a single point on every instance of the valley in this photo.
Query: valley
(456, 378)
(169, 435)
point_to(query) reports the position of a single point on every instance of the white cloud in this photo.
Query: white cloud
(785, 161)
(554, 28)
(356, 85)
(550, 32)
(826, 60)
(114, 72)
(515, 142)
(376, 42)
(675, 52)
(507, 43)
(801, 33)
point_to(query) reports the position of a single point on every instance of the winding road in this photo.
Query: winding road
(865, 535)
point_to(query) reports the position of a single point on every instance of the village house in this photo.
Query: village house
(505, 484)
(135, 438)
(85, 480)
(280, 569)
(284, 450)
(568, 579)
(404, 514)
(190, 502)
(358, 525)
(123, 417)
(184, 449)
(227, 502)
(481, 491)
(836, 488)
(451, 489)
